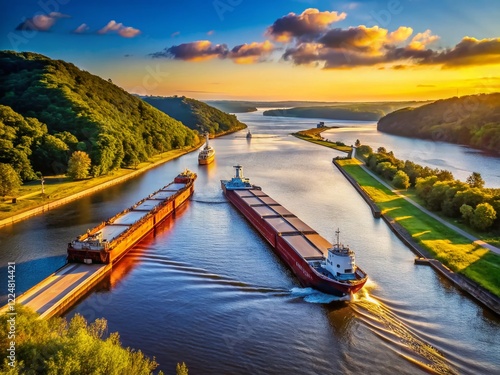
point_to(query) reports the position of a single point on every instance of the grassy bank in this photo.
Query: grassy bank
(453, 250)
(493, 238)
(30, 195)
(313, 135)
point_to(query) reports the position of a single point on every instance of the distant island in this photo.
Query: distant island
(196, 115)
(472, 120)
(232, 106)
(356, 111)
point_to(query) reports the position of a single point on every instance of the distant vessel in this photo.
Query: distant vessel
(207, 154)
(249, 134)
(108, 242)
(316, 263)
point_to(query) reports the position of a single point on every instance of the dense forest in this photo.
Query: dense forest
(50, 108)
(195, 114)
(370, 111)
(472, 120)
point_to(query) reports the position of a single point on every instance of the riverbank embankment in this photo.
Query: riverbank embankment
(40, 209)
(471, 287)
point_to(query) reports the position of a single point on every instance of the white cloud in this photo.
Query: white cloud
(120, 29)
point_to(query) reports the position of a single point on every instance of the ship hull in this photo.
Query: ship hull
(207, 160)
(290, 254)
(133, 233)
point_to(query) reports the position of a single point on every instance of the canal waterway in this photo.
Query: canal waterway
(206, 289)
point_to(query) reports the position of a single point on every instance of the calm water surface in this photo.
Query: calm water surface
(206, 289)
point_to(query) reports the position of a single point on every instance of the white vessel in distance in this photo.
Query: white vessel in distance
(207, 154)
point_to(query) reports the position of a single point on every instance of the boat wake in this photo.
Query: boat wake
(204, 277)
(403, 339)
(313, 296)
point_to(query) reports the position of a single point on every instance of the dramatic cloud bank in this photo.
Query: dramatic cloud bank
(194, 51)
(311, 40)
(304, 27)
(204, 50)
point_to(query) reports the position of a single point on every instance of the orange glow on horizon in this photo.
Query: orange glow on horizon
(227, 80)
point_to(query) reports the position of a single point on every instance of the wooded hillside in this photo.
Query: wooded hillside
(369, 111)
(472, 120)
(50, 108)
(196, 115)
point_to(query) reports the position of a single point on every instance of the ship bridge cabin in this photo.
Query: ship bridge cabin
(341, 261)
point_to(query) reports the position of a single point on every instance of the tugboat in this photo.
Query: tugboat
(185, 176)
(316, 262)
(207, 154)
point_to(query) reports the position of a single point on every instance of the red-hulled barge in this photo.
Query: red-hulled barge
(109, 241)
(315, 261)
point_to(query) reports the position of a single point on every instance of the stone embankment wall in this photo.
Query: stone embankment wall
(476, 291)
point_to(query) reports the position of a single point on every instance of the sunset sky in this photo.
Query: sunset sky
(270, 50)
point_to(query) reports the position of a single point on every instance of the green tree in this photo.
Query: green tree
(386, 170)
(450, 207)
(483, 217)
(51, 155)
(364, 151)
(78, 165)
(467, 212)
(475, 180)
(470, 196)
(56, 347)
(9, 180)
(444, 175)
(68, 138)
(424, 186)
(437, 195)
(401, 180)
(412, 170)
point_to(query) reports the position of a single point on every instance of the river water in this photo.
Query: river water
(206, 289)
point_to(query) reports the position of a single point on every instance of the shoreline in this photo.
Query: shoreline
(478, 293)
(11, 220)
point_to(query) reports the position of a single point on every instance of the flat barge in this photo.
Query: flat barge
(104, 245)
(315, 261)
(108, 242)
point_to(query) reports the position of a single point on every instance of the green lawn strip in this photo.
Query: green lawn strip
(493, 238)
(56, 187)
(323, 143)
(453, 250)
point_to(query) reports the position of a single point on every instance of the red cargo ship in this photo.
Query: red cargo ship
(316, 262)
(109, 241)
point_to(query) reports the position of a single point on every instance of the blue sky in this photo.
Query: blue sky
(116, 39)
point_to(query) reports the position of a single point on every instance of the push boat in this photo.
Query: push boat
(109, 241)
(315, 262)
(207, 154)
